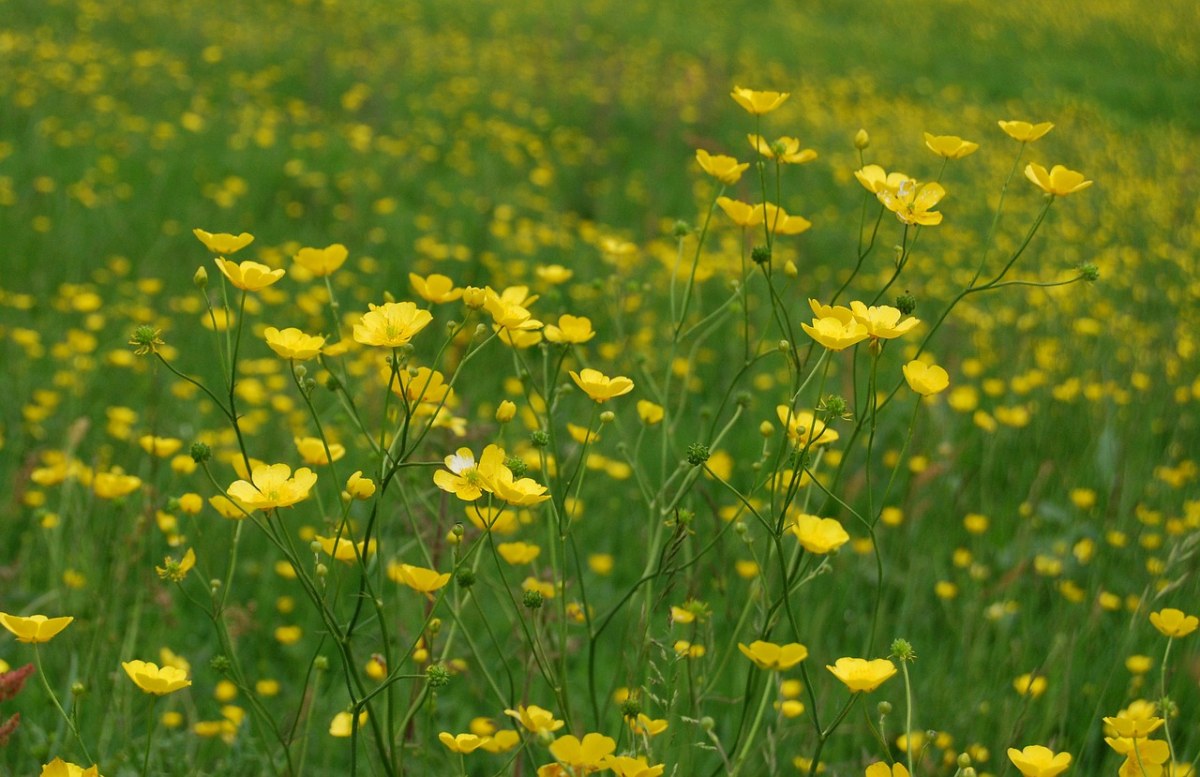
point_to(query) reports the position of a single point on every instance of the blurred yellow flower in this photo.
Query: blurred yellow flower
(1030, 685)
(176, 571)
(34, 628)
(1174, 623)
(321, 261)
(1039, 761)
(626, 766)
(1024, 131)
(784, 149)
(419, 579)
(1059, 181)
(881, 769)
(312, 450)
(248, 276)
(434, 288)
(758, 103)
(724, 168)
(740, 213)
(223, 242)
(773, 657)
(875, 179)
(461, 743)
(291, 343)
(535, 719)
(586, 755)
(343, 724)
(570, 329)
(359, 487)
(950, 146)
(925, 379)
(649, 412)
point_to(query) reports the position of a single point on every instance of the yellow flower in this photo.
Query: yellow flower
(159, 446)
(502, 741)
(272, 486)
(724, 168)
(506, 411)
(434, 288)
(803, 429)
(151, 679)
(419, 579)
(599, 387)
(1059, 181)
(772, 657)
(391, 324)
(883, 321)
(462, 743)
(644, 724)
(60, 768)
(321, 261)
(524, 492)
(359, 487)
(758, 103)
(1030, 685)
(784, 149)
(950, 146)
(467, 479)
(518, 553)
(115, 484)
(312, 450)
(223, 242)
(649, 412)
(881, 769)
(819, 535)
(343, 724)
(570, 329)
(176, 571)
(1024, 131)
(911, 202)
(1173, 623)
(344, 549)
(509, 314)
(779, 222)
(586, 755)
(835, 333)
(875, 179)
(1133, 727)
(625, 766)
(248, 276)
(860, 675)
(291, 343)
(925, 379)
(742, 214)
(1038, 761)
(535, 719)
(34, 628)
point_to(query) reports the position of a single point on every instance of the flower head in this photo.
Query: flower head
(912, 202)
(153, 679)
(321, 261)
(1024, 131)
(758, 103)
(60, 768)
(419, 579)
(875, 179)
(272, 486)
(223, 242)
(248, 275)
(860, 675)
(819, 535)
(835, 333)
(291, 343)
(785, 149)
(570, 329)
(391, 324)
(34, 628)
(1059, 181)
(725, 169)
(1038, 761)
(1173, 623)
(883, 321)
(772, 657)
(176, 571)
(434, 288)
(925, 379)
(583, 755)
(881, 769)
(535, 719)
(950, 146)
(741, 213)
(462, 743)
(599, 387)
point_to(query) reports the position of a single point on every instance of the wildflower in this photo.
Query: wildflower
(912, 201)
(625, 766)
(420, 579)
(313, 450)
(883, 321)
(950, 146)
(1024, 131)
(60, 768)
(223, 242)
(505, 411)
(391, 324)
(860, 675)
(434, 288)
(359, 487)
(724, 168)
(649, 412)
(1059, 181)
(462, 743)
(835, 333)
(1038, 761)
(599, 387)
(758, 103)
(114, 484)
(518, 553)
(643, 724)
(1131, 727)
(785, 149)
(248, 276)
(273, 486)
(772, 657)
(343, 724)
(159, 446)
(509, 314)
(1173, 623)
(146, 340)
(151, 679)
(291, 343)
(779, 222)
(875, 179)
(501, 741)
(321, 261)
(34, 628)
(819, 535)
(176, 571)
(880, 769)
(522, 492)
(535, 719)
(586, 755)
(740, 213)
(467, 479)
(1030, 685)
(925, 379)
(422, 386)
(344, 549)
(803, 429)
(570, 329)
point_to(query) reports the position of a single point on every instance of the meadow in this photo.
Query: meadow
(646, 388)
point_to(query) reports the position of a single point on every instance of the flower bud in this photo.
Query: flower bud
(861, 139)
(200, 279)
(607, 417)
(505, 412)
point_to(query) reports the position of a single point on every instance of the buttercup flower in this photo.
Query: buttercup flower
(803, 428)
(883, 321)
(359, 487)
(599, 387)
(1134, 727)
(343, 724)
(875, 179)
(419, 579)
(291, 343)
(345, 549)
(819, 535)
(312, 450)
(1059, 181)
(391, 324)
(881, 769)
(741, 213)
(1024, 131)
(248, 276)
(925, 379)
(586, 755)
(625, 766)
(724, 168)
(1038, 761)
(535, 719)
(772, 657)
(152, 679)
(60, 768)
(912, 201)
(434, 288)
(462, 743)
(223, 242)
(758, 103)
(466, 478)
(860, 675)
(784, 149)
(1173, 623)
(570, 329)
(34, 628)
(321, 261)
(176, 571)
(836, 334)
(273, 486)
(779, 222)
(950, 146)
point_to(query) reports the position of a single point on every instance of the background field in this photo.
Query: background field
(483, 141)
